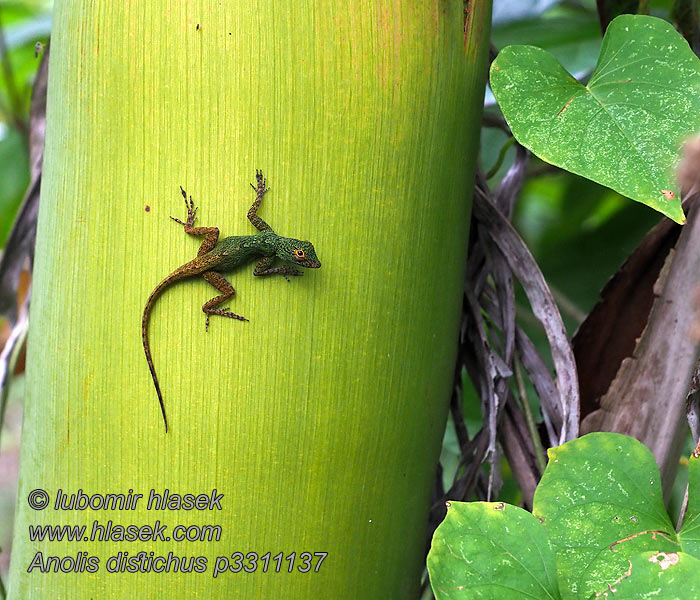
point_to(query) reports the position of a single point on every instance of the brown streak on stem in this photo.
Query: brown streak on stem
(467, 15)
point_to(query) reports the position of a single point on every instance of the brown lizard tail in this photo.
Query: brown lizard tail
(194, 267)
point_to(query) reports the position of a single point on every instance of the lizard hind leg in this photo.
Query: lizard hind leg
(227, 291)
(260, 191)
(211, 234)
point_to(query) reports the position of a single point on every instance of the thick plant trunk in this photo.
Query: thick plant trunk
(320, 421)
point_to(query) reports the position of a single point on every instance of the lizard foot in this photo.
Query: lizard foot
(191, 211)
(292, 272)
(262, 184)
(222, 312)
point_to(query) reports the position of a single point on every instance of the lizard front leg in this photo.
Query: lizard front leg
(227, 291)
(263, 268)
(211, 233)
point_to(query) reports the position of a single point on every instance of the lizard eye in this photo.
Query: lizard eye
(299, 254)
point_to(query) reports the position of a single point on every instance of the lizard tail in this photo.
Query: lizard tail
(186, 270)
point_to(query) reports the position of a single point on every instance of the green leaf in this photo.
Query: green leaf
(625, 127)
(491, 550)
(659, 575)
(690, 532)
(601, 503)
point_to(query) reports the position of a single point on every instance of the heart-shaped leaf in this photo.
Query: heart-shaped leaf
(600, 502)
(491, 550)
(625, 127)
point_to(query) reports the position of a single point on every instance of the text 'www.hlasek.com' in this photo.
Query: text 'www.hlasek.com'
(131, 559)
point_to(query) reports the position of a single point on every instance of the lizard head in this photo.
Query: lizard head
(298, 252)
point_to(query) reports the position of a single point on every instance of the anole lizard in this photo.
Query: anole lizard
(220, 256)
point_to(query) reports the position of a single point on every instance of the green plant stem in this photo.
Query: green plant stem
(501, 156)
(531, 425)
(365, 119)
